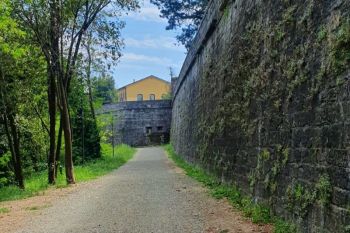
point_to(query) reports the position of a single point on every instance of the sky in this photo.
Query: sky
(149, 48)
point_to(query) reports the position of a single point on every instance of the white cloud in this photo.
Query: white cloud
(133, 57)
(155, 43)
(147, 12)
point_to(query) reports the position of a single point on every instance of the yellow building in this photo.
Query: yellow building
(149, 88)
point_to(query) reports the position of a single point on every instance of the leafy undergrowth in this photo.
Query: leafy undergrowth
(37, 184)
(256, 212)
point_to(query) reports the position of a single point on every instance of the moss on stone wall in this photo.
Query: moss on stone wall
(269, 109)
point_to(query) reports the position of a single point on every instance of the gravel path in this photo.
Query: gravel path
(141, 196)
(147, 195)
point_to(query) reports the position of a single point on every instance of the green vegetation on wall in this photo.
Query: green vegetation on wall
(271, 92)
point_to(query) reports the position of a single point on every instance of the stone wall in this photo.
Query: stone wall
(140, 123)
(263, 101)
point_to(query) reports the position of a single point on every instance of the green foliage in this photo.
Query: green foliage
(347, 229)
(6, 175)
(340, 47)
(300, 199)
(324, 190)
(226, 13)
(104, 89)
(265, 154)
(86, 139)
(167, 96)
(288, 15)
(104, 124)
(322, 34)
(22, 96)
(269, 166)
(37, 183)
(4, 210)
(184, 14)
(285, 154)
(256, 212)
(107, 163)
(284, 227)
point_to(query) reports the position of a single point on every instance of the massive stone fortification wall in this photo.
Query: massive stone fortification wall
(140, 123)
(263, 101)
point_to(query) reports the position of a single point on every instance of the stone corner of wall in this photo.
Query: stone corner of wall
(212, 16)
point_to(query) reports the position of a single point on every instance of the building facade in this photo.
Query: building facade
(147, 89)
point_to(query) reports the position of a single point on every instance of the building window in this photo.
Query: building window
(139, 97)
(152, 97)
(160, 128)
(148, 130)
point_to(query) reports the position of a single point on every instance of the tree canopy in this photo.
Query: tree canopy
(185, 15)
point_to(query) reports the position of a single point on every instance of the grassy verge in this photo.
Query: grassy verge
(37, 184)
(256, 212)
(4, 210)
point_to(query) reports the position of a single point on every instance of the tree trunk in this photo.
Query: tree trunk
(16, 144)
(52, 116)
(66, 125)
(54, 67)
(88, 78)
(13, 141)
(62, 88)
(58, 148)
(12, 134)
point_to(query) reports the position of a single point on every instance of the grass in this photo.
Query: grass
(4, 210)
(37, 183)
(256, 212)
(34, 208)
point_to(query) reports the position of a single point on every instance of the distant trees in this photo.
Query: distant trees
(184, 14)
(105, 91)
(166, 96)
(86, 139)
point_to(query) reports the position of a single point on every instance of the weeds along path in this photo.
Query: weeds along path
(148, 194)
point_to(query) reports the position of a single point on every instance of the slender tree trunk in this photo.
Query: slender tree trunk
(58, 148)
(62, 89)
(88, 78)
(82, 132)
(12, 134)
(14, 144)
(54, 70)
(67, 135)
(52, 131)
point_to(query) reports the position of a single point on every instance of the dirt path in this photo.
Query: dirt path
(147, 195)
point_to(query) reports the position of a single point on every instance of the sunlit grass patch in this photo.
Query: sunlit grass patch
(4, 210)
(37, 183)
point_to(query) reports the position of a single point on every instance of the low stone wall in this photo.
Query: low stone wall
(263, 101)
(140, 123)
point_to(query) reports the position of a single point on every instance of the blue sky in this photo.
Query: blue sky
(149, 48)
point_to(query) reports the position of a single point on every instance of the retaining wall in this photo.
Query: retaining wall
(263, 101)
(140, 123)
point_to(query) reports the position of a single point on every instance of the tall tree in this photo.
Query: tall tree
(7, 112)
(20, 63)
(183, 14)
(59, 28)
